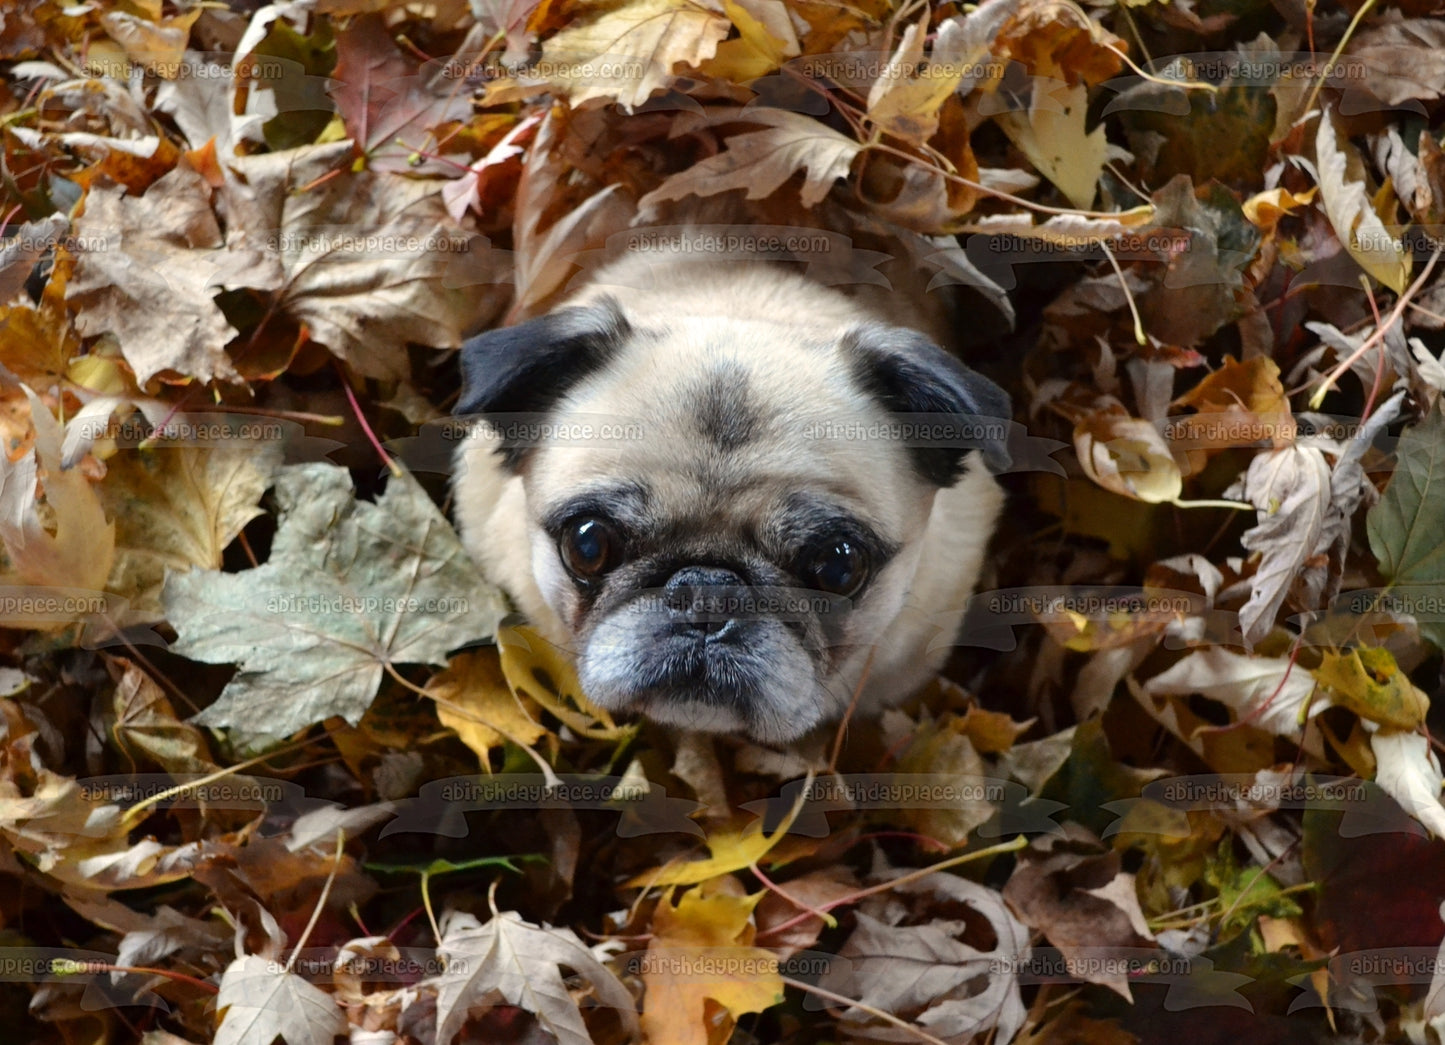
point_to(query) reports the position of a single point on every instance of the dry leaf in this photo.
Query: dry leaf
(928, 972)
(513, 962)
(761, 161)
(701, 952)
(1290, 488)
(629, 52)
(1408, 771)
(178, 507)
(149, 278)
(63, 542)
(474, 699)
(1127, 455)
(1351, 212)
(1075, 893)
(1270, 693)
(261, 1001)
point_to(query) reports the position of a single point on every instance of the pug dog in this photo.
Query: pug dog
(741, 500)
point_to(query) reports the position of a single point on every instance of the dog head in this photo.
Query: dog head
(720, 510)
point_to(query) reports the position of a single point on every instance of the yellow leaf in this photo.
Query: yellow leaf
(537, 670)
(991, 732)
(474, 699)
(701, 951)
(1347, 205)
(905, 100)
(178, 507)
(732, 848)
(1052, 135)
(1265, 209)
(1240, 404)
(1128, 456)
(61, 542)
(765, 38)
(628, 53)
(1369, 682)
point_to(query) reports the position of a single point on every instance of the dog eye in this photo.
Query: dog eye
(590, 547)
(839, 568)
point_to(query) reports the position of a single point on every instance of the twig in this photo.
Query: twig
(320, 900)
(1377, 337)
(912, 876)
(853, 1003)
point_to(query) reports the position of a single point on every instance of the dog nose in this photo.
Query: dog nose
(702, 598)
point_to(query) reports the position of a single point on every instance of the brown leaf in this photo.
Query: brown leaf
(1073, 891)
(761, 161)
(388, 107)
(178, 507)
(146, 274)
(911, 957)
(629, 52)
(367, 261)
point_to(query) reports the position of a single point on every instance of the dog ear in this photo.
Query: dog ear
(527, 368)
(954, 409)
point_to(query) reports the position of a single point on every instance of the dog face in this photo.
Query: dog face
(738, 533)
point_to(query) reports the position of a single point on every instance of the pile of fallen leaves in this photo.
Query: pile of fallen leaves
(274, 763)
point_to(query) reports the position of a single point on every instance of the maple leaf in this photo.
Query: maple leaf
(176, 507)
(629, 52)
(761, 161)
(366, 260)
(1075, 892)
(732, 848)
(1290, 487)
(148, 278)
(1405, 526)
(906, 99)
(350, 587)
(388, 107)
(1053, 135)
(765, 39)
(928, 971)
(945, 749)
(513, 962)
(62, 542)
(701, 951)
(474, 699)
(261, 1001)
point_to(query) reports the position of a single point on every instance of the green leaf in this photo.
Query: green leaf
(350, 587)
(1407, 526)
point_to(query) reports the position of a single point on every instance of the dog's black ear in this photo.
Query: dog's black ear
(945, 408)
(525, 369)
